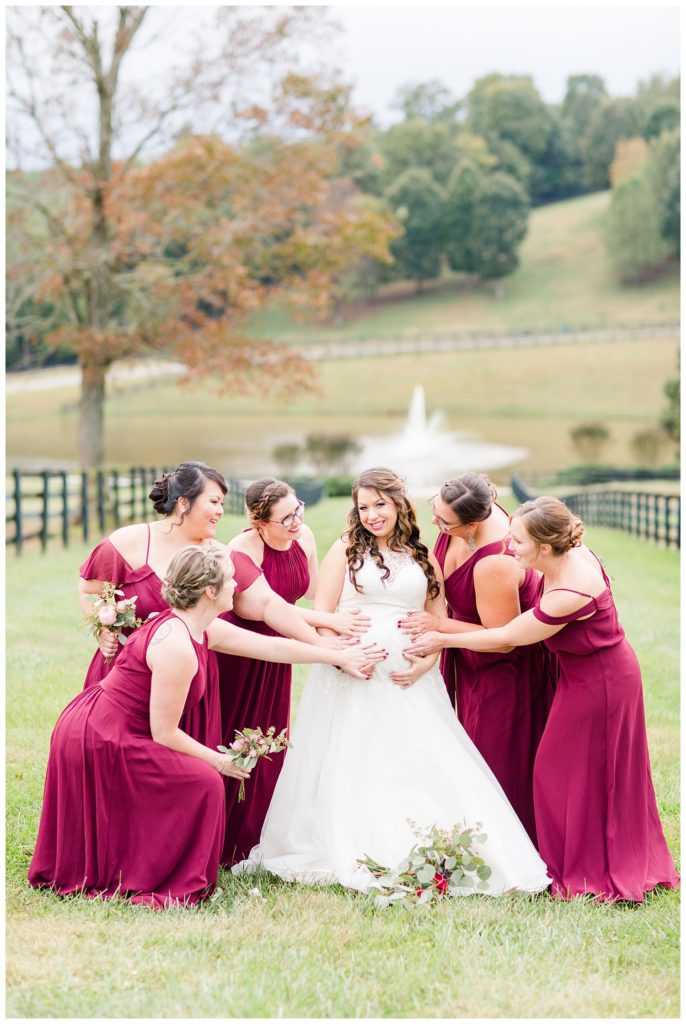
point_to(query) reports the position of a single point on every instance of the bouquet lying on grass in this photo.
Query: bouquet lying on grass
(442, 863)
(252, 744)
(109, 612)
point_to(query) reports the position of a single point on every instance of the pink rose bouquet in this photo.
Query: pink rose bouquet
(112, 611)
(252, 744)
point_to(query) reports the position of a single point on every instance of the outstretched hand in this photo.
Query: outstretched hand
(416, 623)
(359, 661)
(418, 666)
(426, 643)
(351, 623)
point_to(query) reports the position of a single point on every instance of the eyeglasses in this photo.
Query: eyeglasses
(288, 521)
(443, 526)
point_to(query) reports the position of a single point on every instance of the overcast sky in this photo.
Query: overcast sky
(383, 47)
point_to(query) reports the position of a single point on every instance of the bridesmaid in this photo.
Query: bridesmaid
(596, 817)
(133, 806)
(136, 557)
(502, 700)
(253, 693)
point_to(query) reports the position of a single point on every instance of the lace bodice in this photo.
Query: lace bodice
(401, 592)
(385, 602)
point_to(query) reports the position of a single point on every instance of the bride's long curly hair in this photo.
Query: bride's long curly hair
(405, 535)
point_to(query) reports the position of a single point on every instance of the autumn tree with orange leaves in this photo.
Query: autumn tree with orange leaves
(134, 234)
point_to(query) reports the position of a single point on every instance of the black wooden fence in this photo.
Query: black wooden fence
(59, 503)
(654, 517)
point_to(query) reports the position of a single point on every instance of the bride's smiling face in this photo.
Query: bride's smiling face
(377, 513)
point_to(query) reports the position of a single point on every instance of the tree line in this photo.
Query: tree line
(462, 174)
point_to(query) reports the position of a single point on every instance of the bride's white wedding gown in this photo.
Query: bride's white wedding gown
(368, 757)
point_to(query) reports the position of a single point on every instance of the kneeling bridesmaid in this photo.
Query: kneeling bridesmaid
(133, 806)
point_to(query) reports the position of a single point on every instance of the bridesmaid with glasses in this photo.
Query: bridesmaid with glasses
(501, 699)
(255, 693)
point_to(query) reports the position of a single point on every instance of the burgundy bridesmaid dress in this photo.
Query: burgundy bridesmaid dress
(105, 563)
(202, 719)
(598, 826)
(258, 693)
(123, 814)
(502, 700)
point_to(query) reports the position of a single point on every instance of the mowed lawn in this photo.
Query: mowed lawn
(291, 951)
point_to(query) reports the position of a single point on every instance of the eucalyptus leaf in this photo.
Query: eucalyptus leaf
(121, 638)
(450, 863)
(425, 875)
(483, 886)
(484, 872)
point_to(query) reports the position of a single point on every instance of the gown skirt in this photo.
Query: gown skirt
(257, 693)
(123, 815)
(598, 825)
(370, 762)
(502, 700)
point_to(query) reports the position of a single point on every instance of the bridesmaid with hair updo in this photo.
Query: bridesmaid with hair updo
(254, 693)
(502, 700)
(597, 821)
(133, 806)
(136, 558)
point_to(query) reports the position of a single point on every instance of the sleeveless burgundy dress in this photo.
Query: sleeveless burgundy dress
(597, 820)
(201, 720)
(123, 814)
(258, 693)
(502, 700)
(105, 563)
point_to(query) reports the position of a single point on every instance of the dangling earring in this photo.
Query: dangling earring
(471, 543)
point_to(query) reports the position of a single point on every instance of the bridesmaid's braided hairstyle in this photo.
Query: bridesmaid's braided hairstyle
(261, 495)
(405, 535)
(191, 571)
(548, 521)
(188, 480)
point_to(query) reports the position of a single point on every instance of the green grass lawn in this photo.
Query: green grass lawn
(291, 951)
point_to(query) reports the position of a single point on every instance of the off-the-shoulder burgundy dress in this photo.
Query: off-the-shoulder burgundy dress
(597, 820)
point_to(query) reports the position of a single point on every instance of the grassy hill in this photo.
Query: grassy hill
(565, 279)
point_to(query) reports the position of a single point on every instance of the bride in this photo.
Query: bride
(372, 759)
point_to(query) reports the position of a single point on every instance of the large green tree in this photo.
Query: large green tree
(499, 225)
(612, 120)
(510, 107)
(460, 200)
(643, 229)
(418, 203)
(417, 144)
